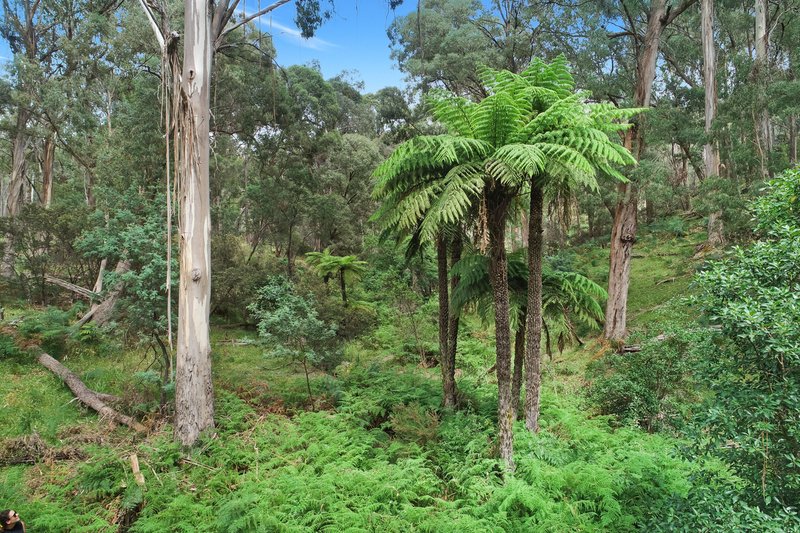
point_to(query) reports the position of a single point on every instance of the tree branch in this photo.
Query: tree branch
(672, 14)
(153, 24)
(247, 19)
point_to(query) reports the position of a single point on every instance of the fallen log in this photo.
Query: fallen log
(86, 293)
(632, 348)
(87, 396)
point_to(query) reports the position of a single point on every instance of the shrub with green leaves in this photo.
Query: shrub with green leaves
(754, 373)
(651, 388)
(289, 322)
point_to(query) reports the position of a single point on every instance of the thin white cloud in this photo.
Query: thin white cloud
(293, 35)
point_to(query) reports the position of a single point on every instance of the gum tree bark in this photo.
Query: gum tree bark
(194, 393)
(710, 153)
(760, 71)
(623, 233)
(205, 29)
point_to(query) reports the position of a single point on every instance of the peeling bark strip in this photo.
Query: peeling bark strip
(86, 395)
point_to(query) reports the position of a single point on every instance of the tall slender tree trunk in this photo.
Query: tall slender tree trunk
(519, 363)
(761, 70)
(16, 183)
(710, 154)
(793, 139)
(533, 320)
(456, 247)
(194, 393)
(497, 208)
(448, 372)
(48, 162)
(623, 233)
(13, 194)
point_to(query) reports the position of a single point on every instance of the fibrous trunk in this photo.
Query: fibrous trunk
(498, 273)
(533, 322)
(194, 394)
(519, 363)
(452, 327)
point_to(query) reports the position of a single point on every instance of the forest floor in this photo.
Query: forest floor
(375, 453)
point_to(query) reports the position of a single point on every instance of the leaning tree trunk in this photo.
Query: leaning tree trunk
(533, 321)
(88, 397)
(498, 274)
(710, 153)
(623, 233)
(448, 371)
(194, 393)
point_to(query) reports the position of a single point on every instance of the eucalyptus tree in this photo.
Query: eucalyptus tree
(532, 131)
(207, 25)
(645, 46)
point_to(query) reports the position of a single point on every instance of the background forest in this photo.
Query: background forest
(550, 284)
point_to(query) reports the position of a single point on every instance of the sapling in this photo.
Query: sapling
(289, 323)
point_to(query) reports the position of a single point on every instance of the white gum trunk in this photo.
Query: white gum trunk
(762, 65)
(710, 153)
(194, 395)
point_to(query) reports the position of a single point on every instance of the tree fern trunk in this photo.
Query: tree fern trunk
(343, 286)
(533, 321)
(498, 273)
(519, 363)
(452, 328)
(448, 377)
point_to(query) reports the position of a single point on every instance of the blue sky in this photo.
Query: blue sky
(353, 40)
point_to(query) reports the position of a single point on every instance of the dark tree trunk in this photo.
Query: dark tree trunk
(533, 321)
(519, 363)
(343, 286)
(452, 327)
(497, 207)
(448, 372)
